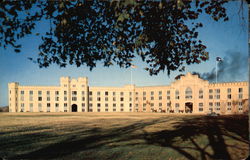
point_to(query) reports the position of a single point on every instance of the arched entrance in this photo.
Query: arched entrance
(74, 108)
(189, 107)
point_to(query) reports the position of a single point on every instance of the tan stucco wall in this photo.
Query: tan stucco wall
(133, 96)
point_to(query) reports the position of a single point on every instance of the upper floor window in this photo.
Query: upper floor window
(240, 90)
(229, 90)
(106, 93)
(57, 93)
(201, 94)
(22, 92)
(188, 93)
(74, 93)
(31, 92)
(177, 94)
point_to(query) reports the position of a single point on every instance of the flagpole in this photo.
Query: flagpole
(130, 75)
(216, 63)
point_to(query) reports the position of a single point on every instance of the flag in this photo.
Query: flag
(133, 66)
(218, 59)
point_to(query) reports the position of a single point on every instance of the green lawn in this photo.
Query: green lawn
(123, 136)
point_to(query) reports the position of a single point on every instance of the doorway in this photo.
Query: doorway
(189, 107)
(74, 108)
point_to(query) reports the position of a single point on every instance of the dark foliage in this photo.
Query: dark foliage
(114, 32)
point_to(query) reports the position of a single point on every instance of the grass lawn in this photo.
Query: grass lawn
(123, 136)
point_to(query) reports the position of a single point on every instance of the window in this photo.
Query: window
(48, 107)
(229, 90)
(130, 93)
(65, 92)
(168, 93)
(65, 105)
(114, 107)
(152, 93)
(83, 107)
(217, 90)
(210, 91)
(136, 93)
(160, 105)
(160, 97)
(57, 107)
(113, 93)
(121, 93)
(57, 93)
(57, 98)
(65, 98)
(188, 93)
(114, 99)
(31, 107)
(22, 92)
(48, 93)
(40, 99)
(74, 93)
(31, 92)
(144, 93)
(22, 107)
(217, 94)
(90, 93)
(90, 107)
(152, 98)
(83, 85)
(48, 98)
(144, 98)
(98, 98)
(83, 98)
(98, 93)
(200, 94)
(240, 93)
(217, 106)
(40, 107)
(90, 98)
(74, 85)
(177, 105)
(83, 93)
(106, 98)
(31, 98)
(106, 93)
(160, 93)
(74, 98)
(200, 107)
(144, 106)
(177, 94)
(106, 107)
(65, 85)
(98, 107)
(130, 107)
(240, 90)
(121, 98)
(168, 104)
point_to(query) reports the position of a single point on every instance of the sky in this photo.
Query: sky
(228, 40)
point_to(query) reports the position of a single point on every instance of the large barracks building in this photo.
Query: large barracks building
(189, 94)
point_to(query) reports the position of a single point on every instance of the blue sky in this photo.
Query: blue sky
(219, 37)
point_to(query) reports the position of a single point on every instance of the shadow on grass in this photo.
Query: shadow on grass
(215, 129)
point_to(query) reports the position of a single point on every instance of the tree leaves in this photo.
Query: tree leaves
(84, 33)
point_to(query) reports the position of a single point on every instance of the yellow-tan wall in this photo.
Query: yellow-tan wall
(134, 100)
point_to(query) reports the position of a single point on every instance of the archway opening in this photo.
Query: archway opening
(74, 108)
(189, 107)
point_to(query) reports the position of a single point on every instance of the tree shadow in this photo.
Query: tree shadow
(215, 129)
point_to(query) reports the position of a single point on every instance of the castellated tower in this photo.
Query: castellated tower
(74, 94)
(13, 96)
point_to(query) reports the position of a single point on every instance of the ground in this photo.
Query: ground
(123, 136)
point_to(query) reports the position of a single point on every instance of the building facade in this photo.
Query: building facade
(189, 94)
